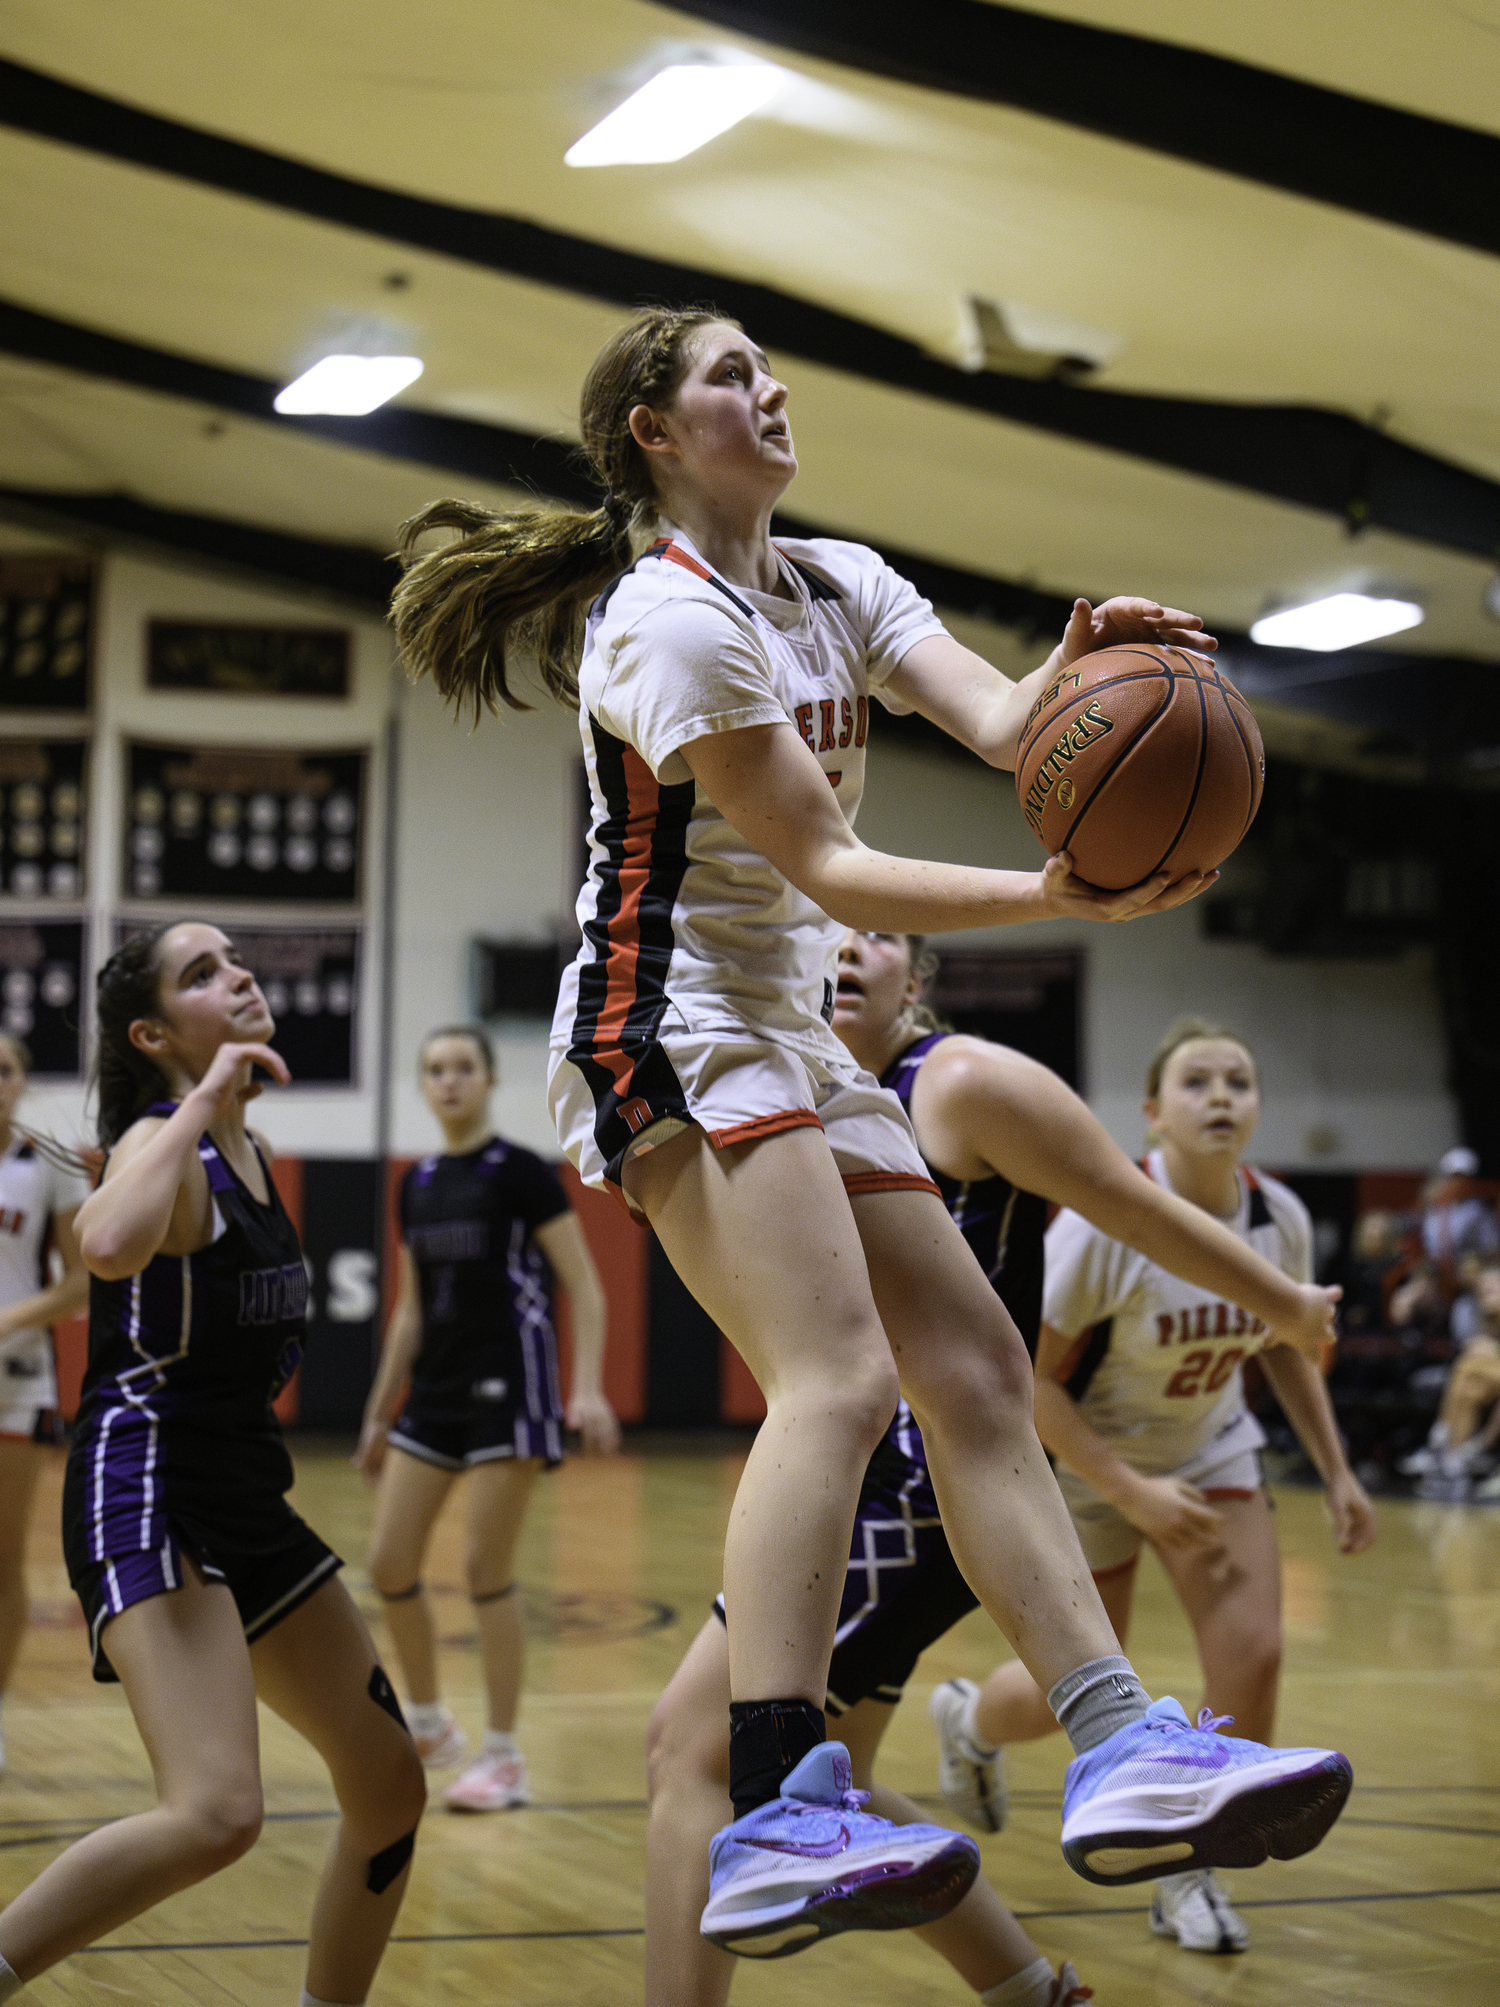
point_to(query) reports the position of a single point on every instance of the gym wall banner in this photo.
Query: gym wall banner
(41, 984)
(310, 976)
(42, 798)
(243, 822)
(46, 632)
(232, 660)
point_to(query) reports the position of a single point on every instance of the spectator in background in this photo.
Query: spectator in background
(1464, 1436)
(1458, 1227)
(1377, 1250)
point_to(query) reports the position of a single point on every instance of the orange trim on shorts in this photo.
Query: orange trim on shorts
(860, 1182)
(764, 1125)
(1230, 1491)
(1120, 1568)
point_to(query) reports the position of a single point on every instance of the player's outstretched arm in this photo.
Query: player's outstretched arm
(765, 782)
(1303, 1393)
(398, 1354)
(561, 1240)
(963, 695)
(980, 1106)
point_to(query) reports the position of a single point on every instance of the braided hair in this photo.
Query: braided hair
(528, 577)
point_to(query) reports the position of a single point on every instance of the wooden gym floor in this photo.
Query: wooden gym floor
(1394, 1657)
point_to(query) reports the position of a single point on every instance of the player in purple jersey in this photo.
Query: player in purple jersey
(1002, 1136)
(202, 1589)
(724, 680)
(40, 1193)
(484, 1227)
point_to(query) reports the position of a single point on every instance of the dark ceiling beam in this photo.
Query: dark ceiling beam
(1374, 159)
(1313, 458)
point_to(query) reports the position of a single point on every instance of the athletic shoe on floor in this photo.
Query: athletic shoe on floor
(1195, 1910)
(1067, 1989)
(495, 1782)
(447, 1746)
(811, 1863)
(972, 1779)
(1161, 1794)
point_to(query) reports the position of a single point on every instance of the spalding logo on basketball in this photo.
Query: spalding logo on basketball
(1138, 760)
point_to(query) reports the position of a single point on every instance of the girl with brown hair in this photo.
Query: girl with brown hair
(724, 695)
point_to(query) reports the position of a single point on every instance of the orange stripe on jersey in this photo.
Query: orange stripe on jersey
(763, 1125)
(859, 1182)
(673, 554)
(623, 927)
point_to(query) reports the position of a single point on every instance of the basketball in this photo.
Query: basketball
(1137, 760)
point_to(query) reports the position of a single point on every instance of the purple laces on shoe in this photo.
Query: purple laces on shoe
(1209, 1722)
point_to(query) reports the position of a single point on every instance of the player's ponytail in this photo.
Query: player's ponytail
(525, 579)
(125, 1080)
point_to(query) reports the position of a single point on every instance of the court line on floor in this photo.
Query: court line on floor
(638, 1930)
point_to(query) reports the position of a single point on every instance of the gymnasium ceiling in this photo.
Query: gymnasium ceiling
(1274, 227)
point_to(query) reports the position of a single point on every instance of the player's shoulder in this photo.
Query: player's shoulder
(657, 583)
(959, 1066)
(832, 568)
(1279, 1200)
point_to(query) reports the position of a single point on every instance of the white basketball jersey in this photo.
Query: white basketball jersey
(683, 922)
(1157, 1364)
(31, 1192)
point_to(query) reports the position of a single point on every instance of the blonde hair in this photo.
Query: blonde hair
(528, 577)
(1183, 1031)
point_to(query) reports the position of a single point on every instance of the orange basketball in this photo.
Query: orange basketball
(1137, 760)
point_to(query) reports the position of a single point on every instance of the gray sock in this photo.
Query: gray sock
(1096, 1699)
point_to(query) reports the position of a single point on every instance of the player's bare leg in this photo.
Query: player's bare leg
(1012, 1707)
(318, 1671)
(182, 1661)
(20, 1467)
(499, 1494)
(1231, 1592)
(967, 1375)
(762, 1236)
(410, 1498)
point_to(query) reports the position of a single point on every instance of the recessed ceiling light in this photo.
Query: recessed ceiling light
(680, 109)
(347, 386)
(1343, 620)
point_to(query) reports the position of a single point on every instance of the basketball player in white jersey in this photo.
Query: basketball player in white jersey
(724, 692)
(39, 1194)
(1140, 1397)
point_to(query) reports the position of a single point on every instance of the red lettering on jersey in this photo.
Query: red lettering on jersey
(1202, 1327)
(11, 1221)
(847, 711)
(1221, 1321)
(1219, 1377)
(1184, 1383)
(1241, 1321)
(1186, 1324)
(826, 739)
(836, 776)
(1166, 1324)
(862, 721)
(803, 715)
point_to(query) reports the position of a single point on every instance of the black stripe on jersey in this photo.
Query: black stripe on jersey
(593, 978)
(817, 588)
(1260, 1212)
(1077, 1383)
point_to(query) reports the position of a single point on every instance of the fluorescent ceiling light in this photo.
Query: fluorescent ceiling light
(680, 109)
(348, 385)
(1343, 620)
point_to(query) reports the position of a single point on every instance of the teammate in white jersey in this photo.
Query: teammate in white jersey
(725, 686)
(38, 1198)
(1140, 1396)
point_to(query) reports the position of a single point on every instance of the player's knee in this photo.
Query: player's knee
(867, 1398)
(223, 1825)
(393, 1578)
(684, 1748)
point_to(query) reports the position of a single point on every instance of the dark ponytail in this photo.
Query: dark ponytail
(126, 1081)
(527, 578)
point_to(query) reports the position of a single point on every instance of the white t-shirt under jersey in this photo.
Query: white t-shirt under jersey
(674, 896)
(32, 1190)
(1162, 1357)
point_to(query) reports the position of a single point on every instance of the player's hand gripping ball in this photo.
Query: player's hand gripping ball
(1140, 759)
